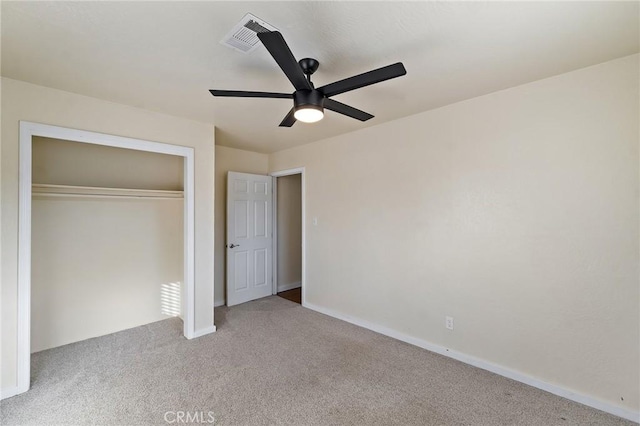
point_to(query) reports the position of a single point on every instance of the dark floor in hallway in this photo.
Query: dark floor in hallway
(294, 295)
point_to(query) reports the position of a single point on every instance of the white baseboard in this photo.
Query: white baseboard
(204, 331)
(285, 287)
(9, 392)
(217, 303)
(631, 415)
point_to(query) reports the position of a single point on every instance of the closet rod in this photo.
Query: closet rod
(100, 192)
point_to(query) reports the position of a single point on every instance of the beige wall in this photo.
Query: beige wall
(61, 162)
(23, 101)
(234, 160)
(289, 232)
(516, 213)
(100, 265)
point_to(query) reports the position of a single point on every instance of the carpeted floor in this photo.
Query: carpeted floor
(274, 362)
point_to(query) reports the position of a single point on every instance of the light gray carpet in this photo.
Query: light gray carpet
(275, 362)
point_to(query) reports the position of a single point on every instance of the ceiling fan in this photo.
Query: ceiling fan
(309, 102)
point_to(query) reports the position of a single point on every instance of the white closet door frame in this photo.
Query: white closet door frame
(275, 175)
(27, 131)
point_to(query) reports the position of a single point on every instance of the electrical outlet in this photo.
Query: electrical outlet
(448, 322)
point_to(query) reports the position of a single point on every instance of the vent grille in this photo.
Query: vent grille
(243, 37)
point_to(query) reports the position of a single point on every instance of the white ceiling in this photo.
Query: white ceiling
(165, 56)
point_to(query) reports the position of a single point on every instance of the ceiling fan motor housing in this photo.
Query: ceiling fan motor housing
(308, 99)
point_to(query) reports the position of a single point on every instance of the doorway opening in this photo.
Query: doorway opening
(288, 248)
(288, 235)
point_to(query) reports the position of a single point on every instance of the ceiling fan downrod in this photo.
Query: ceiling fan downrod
(309, 66)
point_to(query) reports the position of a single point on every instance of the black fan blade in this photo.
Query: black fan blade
(244, 94)
(289, 119)
(275, 44)
(341, 108)
(362, 80)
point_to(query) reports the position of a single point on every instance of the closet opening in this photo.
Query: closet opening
(106, 237)
(106, 240)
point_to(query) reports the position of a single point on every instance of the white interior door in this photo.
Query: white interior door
(249, 235)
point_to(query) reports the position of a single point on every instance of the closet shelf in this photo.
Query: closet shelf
(46, 190)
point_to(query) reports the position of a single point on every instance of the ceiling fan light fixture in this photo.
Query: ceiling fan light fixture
(308, 114)
(308, 106)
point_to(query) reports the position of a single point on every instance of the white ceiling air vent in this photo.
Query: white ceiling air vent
(243, 37)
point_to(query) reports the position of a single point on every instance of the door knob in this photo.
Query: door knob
(234, 245)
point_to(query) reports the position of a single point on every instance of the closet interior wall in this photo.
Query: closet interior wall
(107, 240)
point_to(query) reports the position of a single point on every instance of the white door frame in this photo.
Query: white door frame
(27, 131)
(275, 175)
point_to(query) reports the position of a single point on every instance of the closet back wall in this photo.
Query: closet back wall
(101, 265)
